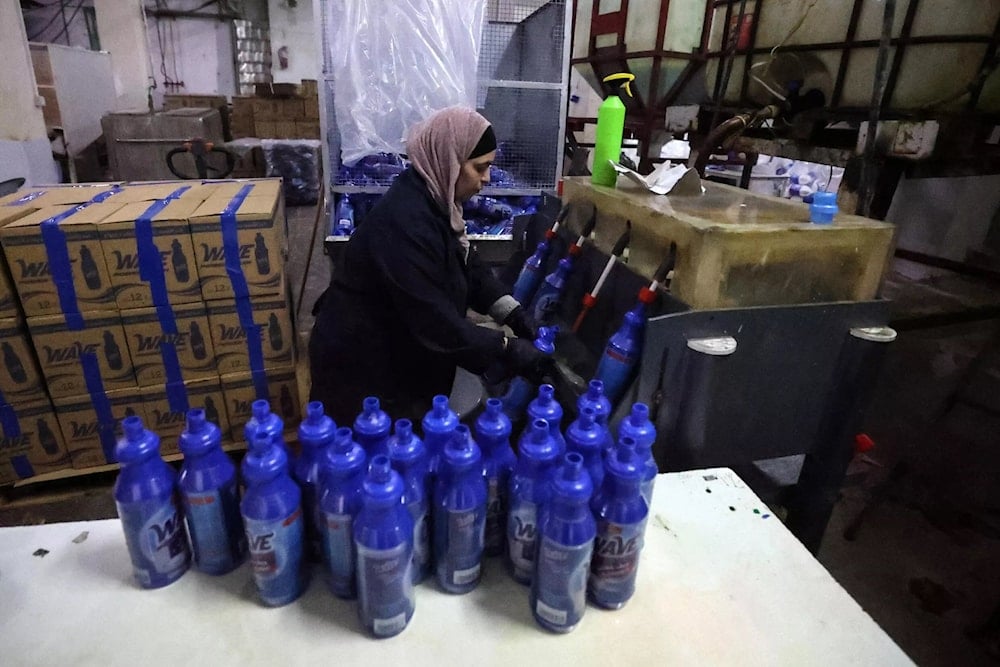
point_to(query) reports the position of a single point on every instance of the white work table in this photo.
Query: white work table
(718, 585)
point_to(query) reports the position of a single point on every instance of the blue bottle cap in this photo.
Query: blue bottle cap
(595, 398)
(823, 207)
(136, 442)
(261, 418)
(404, 445)
(372, 420)
(545, 342)
(264, 460)
(565, 265)
(344, 455)
(572, 483)
(260, 409)
(626, 463)
(493, 423)
(317, 429)
(585, 433)
(539, 445)
(462, 453)
(199, 435)
(440, 418)
(383, 486)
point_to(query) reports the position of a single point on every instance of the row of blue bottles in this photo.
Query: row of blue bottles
(340, 494)
(460, 494)
(538, 452)
(492, 429)
(408, 455)
(316, 434)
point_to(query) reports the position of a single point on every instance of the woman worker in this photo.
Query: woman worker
(392, 322)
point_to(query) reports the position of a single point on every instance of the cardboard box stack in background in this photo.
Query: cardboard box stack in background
(277, 112)
(125, 326)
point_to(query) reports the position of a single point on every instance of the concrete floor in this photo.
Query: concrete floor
(926, 552)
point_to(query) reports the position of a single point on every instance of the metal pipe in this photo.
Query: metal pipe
(878, 92)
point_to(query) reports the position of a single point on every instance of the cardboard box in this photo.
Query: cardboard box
(9, 304)
(284, 129)
(32, 266)
(290, 109)
(307, 129)
(152, 191)
(260, 238)
(192, 343)
(20, 377)
(265, 109)
(264, 129)
(171, 239)
(310, 108)
(283, 395)
(28, 200)
(61, 352)
(168, 423)
(34, 446)
(89, 431)
(274, 330)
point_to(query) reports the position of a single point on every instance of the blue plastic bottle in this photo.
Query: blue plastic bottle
(316, 433)
(438, 424)
(638, 427)
(529, 489)
(618, 363)
(210, 498)
(272, 514)
(531, 274)
(262, 419)
(146, 496)
(546, 407)
(383, 536)
(621, 515)
(339, 503)
(371, 428)
(460, 514)
(409, 458)
(493, 435)
(595, 399)
(343, 224)
(545, 303)
(521, 390)
(566, 540)
(585, 437)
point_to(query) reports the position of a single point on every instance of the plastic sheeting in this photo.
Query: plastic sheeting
(298, 162)
(394, 67)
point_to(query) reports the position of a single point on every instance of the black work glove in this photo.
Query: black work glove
(522, 324)
(523, 358)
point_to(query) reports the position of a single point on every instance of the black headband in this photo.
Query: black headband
(487, 143)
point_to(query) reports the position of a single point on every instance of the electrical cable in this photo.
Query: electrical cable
(868, 172)
(52, 20)
(67, 24)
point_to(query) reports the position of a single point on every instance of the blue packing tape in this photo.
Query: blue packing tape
(11, 429)
(99, 399)
(151, 271)
(244, 309)
(31, 196)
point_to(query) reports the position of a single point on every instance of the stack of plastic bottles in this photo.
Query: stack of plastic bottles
(383, 509)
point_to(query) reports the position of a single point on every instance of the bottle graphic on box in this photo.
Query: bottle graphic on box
(179, 262)
(211, 412)
(261, 255)
(13, 364)
(47, 438)
(274, 333)
(89, 267)
(197, 342)
(287, 405)
(129, 412)
(112, 353)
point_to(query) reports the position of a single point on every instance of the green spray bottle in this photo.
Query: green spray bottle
(610, 127)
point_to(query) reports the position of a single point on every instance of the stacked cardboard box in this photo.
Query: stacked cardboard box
(294, 116)
(125, 300)
(172, 101)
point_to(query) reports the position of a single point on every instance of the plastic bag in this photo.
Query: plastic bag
(394, 67)
(298, 162)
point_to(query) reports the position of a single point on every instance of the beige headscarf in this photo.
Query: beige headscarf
(438, 147)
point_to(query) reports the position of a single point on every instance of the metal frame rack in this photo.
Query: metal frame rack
(522, 88)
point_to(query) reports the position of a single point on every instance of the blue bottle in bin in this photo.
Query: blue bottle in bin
(146, 497)
(532, 274)
(207, 484)
(566, 532)
(493, 430)
(638, 427)
(585, 437)
(316, 433)
(409, 458)
(545, 303)
(343, 223)
(460, 514)
(272, 514)
(621, 355)
(621, 514)
(341, 478)
(372, 426)
(262, 419)
(529, 489)
(383, 536)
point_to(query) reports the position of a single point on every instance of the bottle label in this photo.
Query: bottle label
(615, 562)
(421, 540)
(460, 545)
(338, 551)
(385, 588)
(561, 586)
(521, 538)
(494, 518)
(156, 540)
(615, 370)
(276, 557)
(213, 523)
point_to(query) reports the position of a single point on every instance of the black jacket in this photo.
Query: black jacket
(392, 323)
